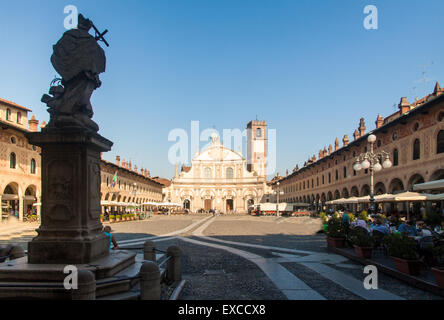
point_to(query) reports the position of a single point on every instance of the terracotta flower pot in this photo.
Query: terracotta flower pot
(411, 267)
(364, 252)
(439, 276)
(111, 220)
(336, 242)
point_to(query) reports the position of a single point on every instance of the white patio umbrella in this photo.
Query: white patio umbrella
(436, 197)
(407, 197)
(431, 185)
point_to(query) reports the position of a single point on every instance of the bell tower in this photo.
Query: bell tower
(257, 147)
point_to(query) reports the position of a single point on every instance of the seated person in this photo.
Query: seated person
(112, 240)
(360, 223)
(408, 228)
(345, 220)
(379, 227)
(423, 231)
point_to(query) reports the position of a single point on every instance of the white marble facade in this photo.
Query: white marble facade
(217, 179)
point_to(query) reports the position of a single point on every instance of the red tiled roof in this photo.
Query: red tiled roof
(13, 104)
(163, 181)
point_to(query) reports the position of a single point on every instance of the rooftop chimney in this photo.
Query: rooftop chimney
(336, 144)
(330, 149)
(345, 140)
(437, 88)
(43, 125)
(362, 127)
(379, 121)
(33, 124)
(404, 106)
(118, 161)
(356, 134)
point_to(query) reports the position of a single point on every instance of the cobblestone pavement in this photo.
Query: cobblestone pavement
(241, 257)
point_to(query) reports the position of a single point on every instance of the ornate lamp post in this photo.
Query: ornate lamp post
(372, 161)
(278, 192)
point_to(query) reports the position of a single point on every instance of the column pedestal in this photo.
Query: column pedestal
(70, 230)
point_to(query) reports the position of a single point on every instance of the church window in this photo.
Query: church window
(208, 173)
(230, 173)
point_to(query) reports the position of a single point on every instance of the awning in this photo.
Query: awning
(407, 197)
(437, 197)
(9, 197)
(431, 185)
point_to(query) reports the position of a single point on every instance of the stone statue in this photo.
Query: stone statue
(79, 59)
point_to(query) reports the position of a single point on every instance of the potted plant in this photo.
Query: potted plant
(402, 250)
(335, 233)
(324, 219)
(362, 242)
(118, 218)
(101, 217)
(438, 269)
(112, 218)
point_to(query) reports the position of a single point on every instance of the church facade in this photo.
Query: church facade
(222, 179)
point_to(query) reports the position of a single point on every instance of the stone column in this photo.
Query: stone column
(174, 271)
(150, 288)
(1, 208)
(21, 208)
(86, 286)
(149, 251)
(39, 209)
(70, 230)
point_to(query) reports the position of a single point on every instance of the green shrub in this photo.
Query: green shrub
(112, 216)
(360, 238)
(118, 216)
(352, 217)
(335, 229)
(401, 246)
(323, 216)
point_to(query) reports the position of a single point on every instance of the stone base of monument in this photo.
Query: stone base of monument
(115, 275)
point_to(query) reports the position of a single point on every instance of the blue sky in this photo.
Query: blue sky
(309, 68)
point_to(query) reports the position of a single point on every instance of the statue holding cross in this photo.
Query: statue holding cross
(79, 59)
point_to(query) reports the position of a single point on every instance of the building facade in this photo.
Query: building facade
(20, 183)
(413, 137)
(222, 179)
(124, 187)
(20, 171)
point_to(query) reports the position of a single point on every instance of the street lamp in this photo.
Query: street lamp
(277, 198)
(370, 160)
